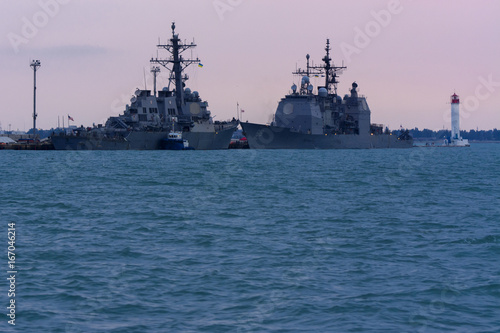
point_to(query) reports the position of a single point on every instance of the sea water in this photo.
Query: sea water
(253, 241)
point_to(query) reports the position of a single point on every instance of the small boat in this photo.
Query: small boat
(174, 141)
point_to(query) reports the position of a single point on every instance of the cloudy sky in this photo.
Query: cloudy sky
(407, 56)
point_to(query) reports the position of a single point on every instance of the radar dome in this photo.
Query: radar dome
(310, 88)
(138, 92)
(322, 92)
(305, 79)
(187, 91)
(294, 87)
(165, 89)
(196, 94)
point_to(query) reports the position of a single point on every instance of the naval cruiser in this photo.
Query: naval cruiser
(304, 120)
(151, 117)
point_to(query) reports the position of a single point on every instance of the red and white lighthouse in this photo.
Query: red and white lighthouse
(456, 139)
(455, 117)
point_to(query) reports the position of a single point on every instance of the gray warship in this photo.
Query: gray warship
(304, 120)
(151, 117)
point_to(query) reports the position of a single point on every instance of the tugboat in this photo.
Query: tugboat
(325, 120)
(174, 141)
(151, 117)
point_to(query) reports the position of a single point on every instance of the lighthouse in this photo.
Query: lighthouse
(456, 139)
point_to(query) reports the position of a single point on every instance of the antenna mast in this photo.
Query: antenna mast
(308, 71)
(175, 48)
(331, 71)
(155, 70)
(35, 64)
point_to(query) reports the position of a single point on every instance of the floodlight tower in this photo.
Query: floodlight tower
(35, 64)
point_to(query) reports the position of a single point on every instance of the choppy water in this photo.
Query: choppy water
(254, 241)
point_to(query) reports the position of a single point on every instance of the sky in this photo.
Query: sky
(407, 56)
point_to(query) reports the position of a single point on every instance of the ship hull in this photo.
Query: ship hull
(142, 141)
(209, 140)
(272, 137)
(133, 141)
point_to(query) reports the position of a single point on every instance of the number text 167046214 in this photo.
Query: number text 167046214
(11, 272)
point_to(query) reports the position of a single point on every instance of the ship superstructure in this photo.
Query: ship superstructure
(151, 116)
(325, 120)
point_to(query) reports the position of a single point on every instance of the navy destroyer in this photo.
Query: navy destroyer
(151, 117)
(304, 120)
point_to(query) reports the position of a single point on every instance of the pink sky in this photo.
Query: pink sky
(407, 56)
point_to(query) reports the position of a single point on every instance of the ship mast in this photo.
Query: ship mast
(175, 48)
(155, 70)
(330, 71)
(308, 73)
